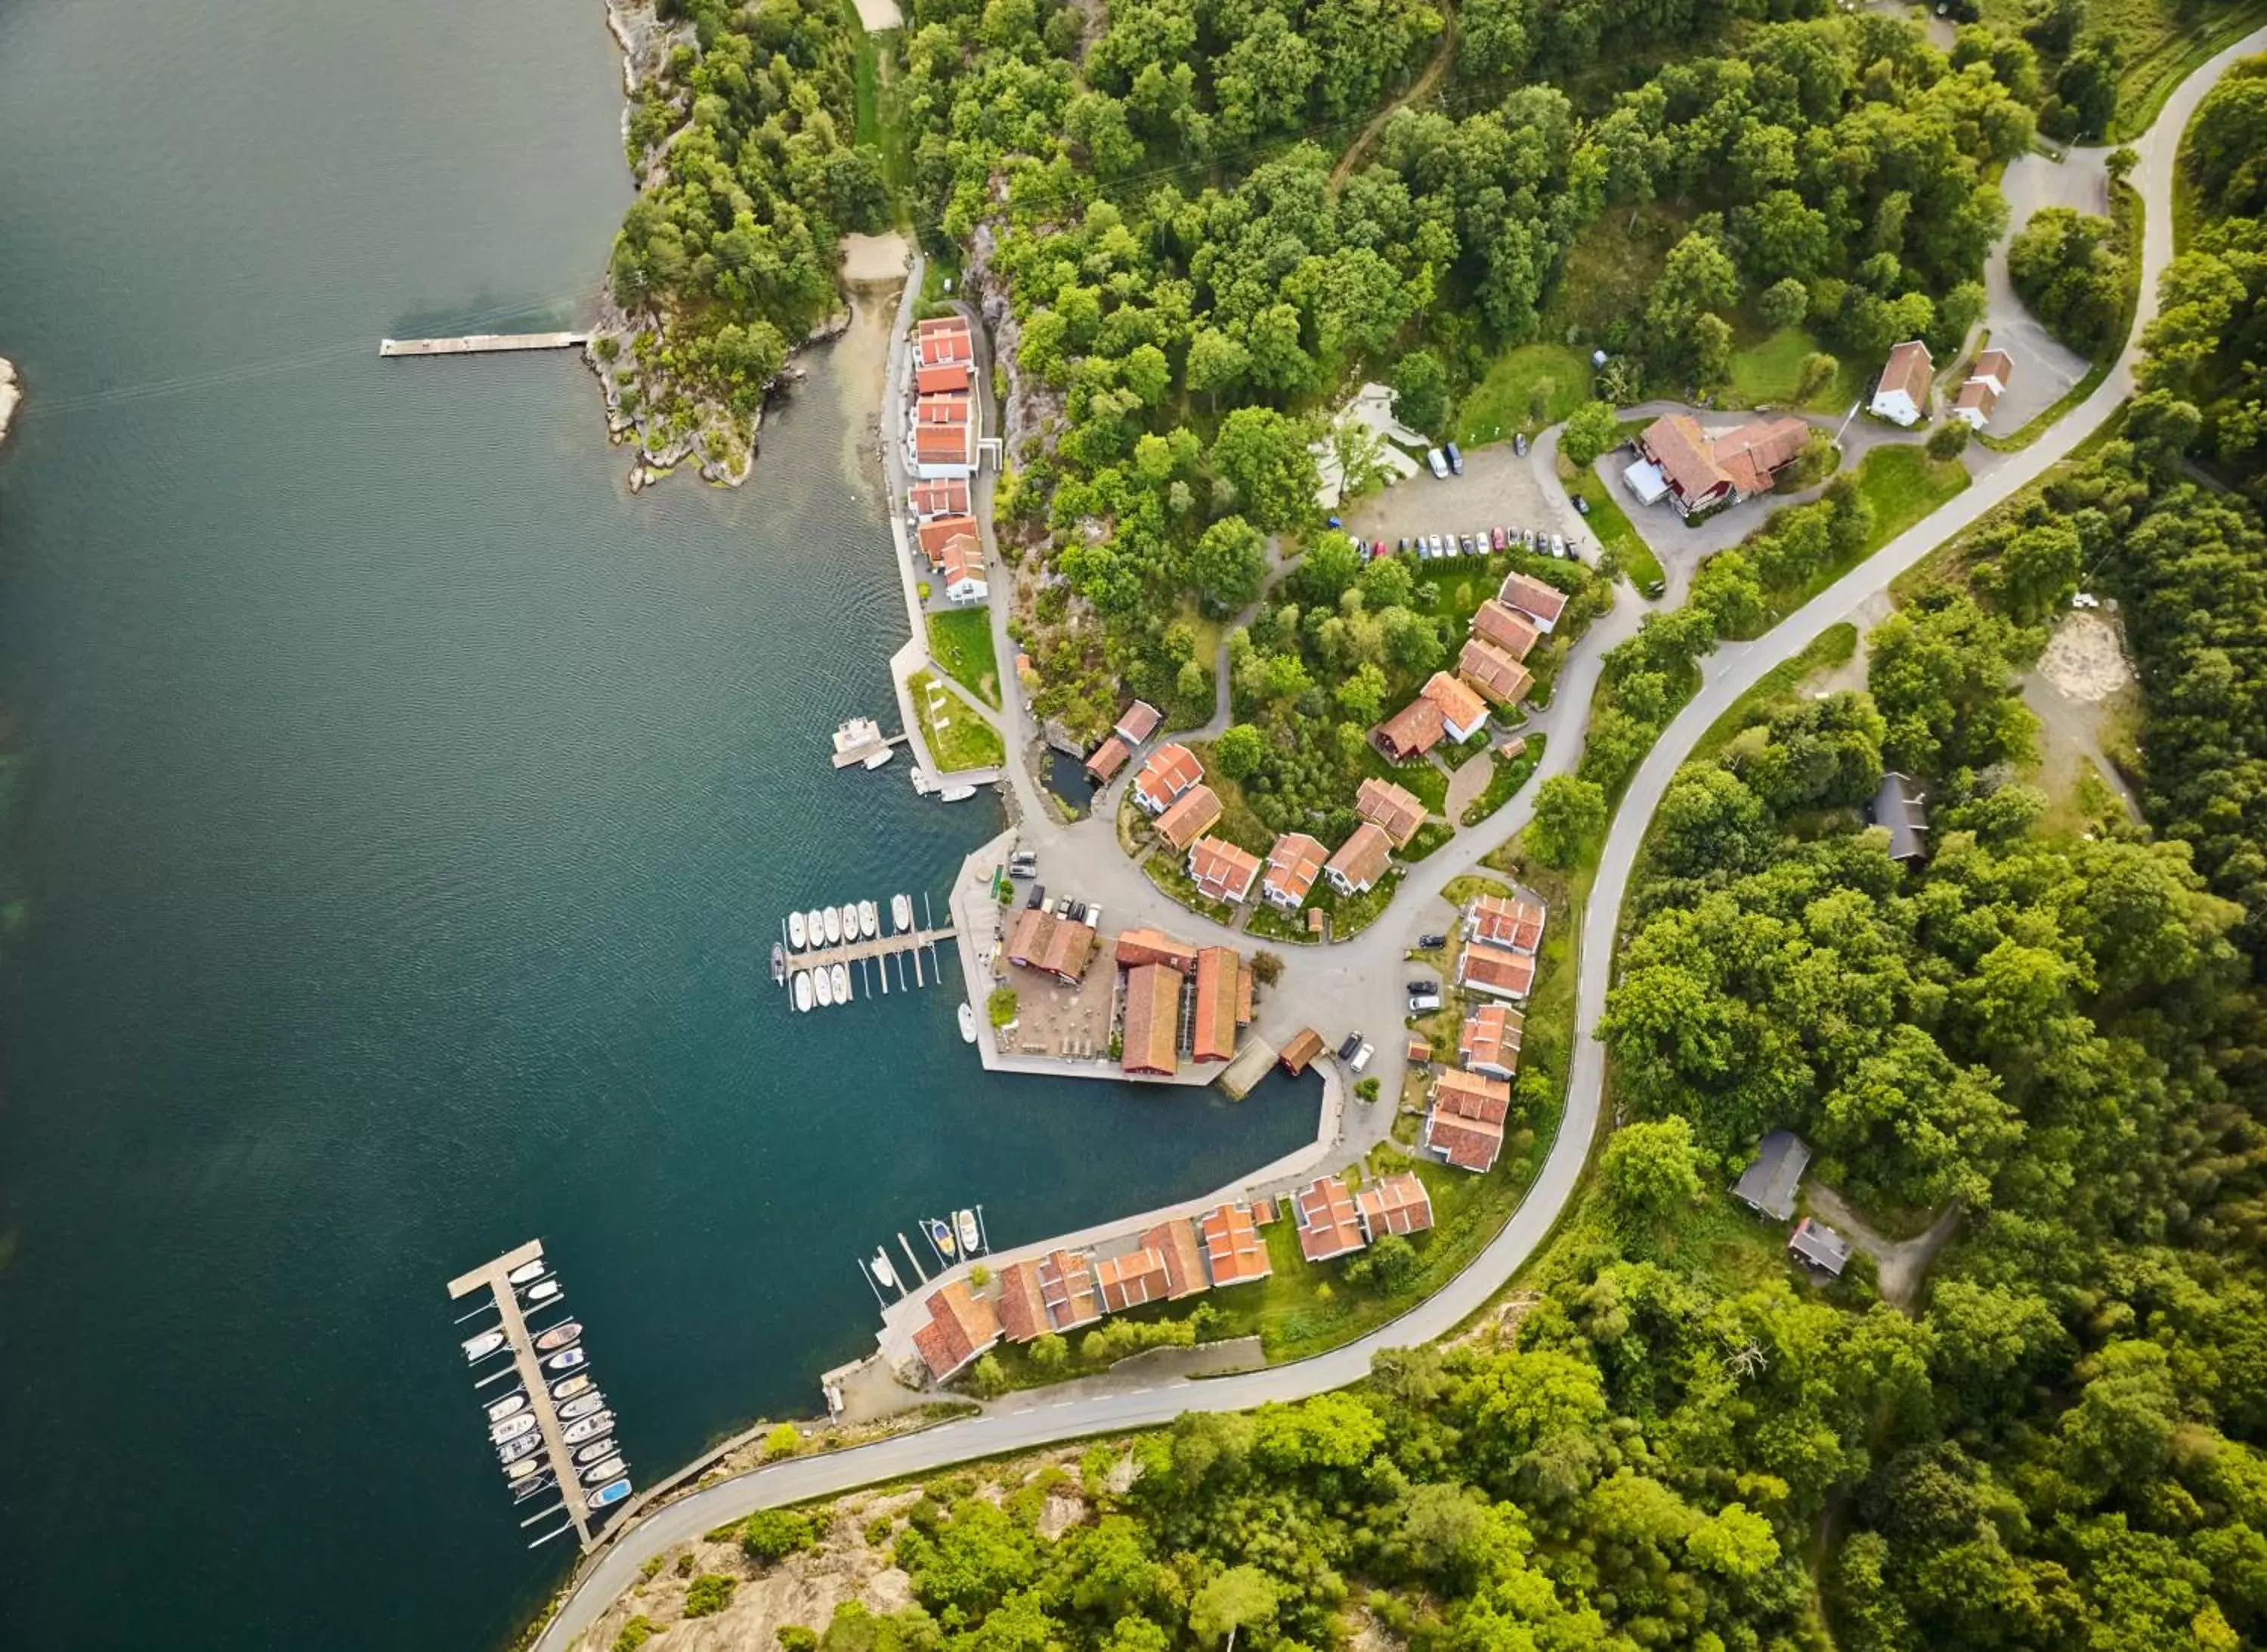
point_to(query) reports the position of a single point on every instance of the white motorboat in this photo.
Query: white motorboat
(588, 1428)
(570, 1388)
(559, 1336)
(956, 794)
(901, 912)
(606, 1496)
(880, 759)
(592, 1452)
(565, 1361)
(514, 1401)
(868, 920)
(527, 1271)
(841, 975)
(542, 1291)
(971, 1237)
(814, 924)
(511, 1450)
(880, 1269)
(522, 1469)
(967, 1021)
(823, 984)
(830, 920)
(477, 1348)
(511, 1428)
(583, 1405)
(849, 920)
(604, 1470)
(803, 989)
(796, 931)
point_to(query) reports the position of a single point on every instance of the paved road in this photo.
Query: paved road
(1730, 673)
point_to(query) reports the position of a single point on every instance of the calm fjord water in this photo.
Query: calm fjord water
(410, 812)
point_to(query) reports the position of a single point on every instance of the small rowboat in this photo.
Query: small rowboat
(796, 932)
(543, 1290)
(841, 975)
(881, 1269)
(527, 1271)
(559, 1336)
(779, 962)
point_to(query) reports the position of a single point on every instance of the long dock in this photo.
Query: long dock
(491, 1276)
(854, 951)
(483, 343)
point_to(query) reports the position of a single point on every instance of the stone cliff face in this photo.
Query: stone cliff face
(1029, 408)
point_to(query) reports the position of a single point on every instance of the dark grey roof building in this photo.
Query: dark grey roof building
(1900, 806)
(1820, 1246)
(1768, 1185)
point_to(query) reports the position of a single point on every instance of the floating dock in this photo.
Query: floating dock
(493, 1277)
(858, 740)
(853, 952)
(483, 343)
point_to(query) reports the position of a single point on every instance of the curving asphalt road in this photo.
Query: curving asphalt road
(1729, 673)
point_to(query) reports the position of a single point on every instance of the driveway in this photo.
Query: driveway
(2044, 368)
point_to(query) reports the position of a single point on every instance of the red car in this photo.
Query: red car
(1376, 548)
(1495, 537)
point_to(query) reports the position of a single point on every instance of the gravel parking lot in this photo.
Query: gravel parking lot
(1497, 489)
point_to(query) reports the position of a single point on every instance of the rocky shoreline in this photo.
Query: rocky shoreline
(669, 423)
(12, 395)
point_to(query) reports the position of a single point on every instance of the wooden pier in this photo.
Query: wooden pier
(483, 343)
(858, 952)
(492, 1277)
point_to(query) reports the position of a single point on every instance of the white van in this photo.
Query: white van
(1439, 461)
(1361, 1056)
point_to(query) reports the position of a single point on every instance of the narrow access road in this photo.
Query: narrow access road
(1428, 77)
(1730, 673)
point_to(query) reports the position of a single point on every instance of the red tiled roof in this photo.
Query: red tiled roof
(1328, 1223)
(1222, 871)
(1176, 1241)
(1494, 673)
(1399, 810)
(1419, 1052)
(1214, 1037)
(1490, 1037)
(1293, 865)
(946, 497)
(1505, 627)
(1108, 759)
(1232, 1249)
(1196, 814)
(960, 561)
(948, 376)
(1466, 1144)
(935, 536)
(1152, 1038)
(1137, 947)
(1517, 923)
(941, 410)
(1052, 945)
(1167, 773)
(1760, 450)
(1675, 442)
(1397, 1203)
(1994, 365)
(945, 443)
(1910, 369)
(1492, 968)
(1469, 1096)
(1305, 1044)
(1362, 860)
(1532, 596)
(1977, 395)
(961, 1326)
(1459, 705)
(1022, 1312)
(1138, 723)
(1129, 1280)
(1066, 1280)
(945, 339)
(1413, 730)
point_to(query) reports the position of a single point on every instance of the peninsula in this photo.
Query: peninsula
(1867, 991)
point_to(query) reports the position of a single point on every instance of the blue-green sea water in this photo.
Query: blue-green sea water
(405, 814)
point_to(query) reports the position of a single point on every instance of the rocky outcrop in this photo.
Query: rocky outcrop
(1028, 409)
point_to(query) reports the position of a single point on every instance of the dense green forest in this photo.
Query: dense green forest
(1686, 1443)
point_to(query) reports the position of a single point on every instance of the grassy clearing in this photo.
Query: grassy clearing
(1612, 266)
(2129, 213)
(1903, 484)
(962, 643)
(1427, 783)
(1767, 372)
(2165, 42)
(880, 125)
(1612, 526)
(1430, 836)
(1510, 774)
(1239, 822)
(1526, 389)
(957, 735)
(1273, 923)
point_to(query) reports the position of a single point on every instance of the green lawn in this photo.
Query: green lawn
(1427, 783)
(957, 735)
(1510, 774)
(962, 643)
(1506, 400)
(1767, 372)
(1351, 914)
(1903, 484)
(1612, 526)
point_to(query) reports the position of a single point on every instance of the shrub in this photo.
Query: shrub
(1001, 1005)
(635, 1634)
(784, 1441)
(793, 1637)
(773, 1534)
(708, 1594)
(1949, 440)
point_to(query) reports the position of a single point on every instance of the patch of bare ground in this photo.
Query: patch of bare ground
(874, 260)
(1365, 1634)
(1498, 1325)
(2085, 660)
(2084, 693)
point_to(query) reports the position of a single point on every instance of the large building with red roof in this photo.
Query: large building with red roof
(1235, 1253)
(1328, 1223)
(961, 1326)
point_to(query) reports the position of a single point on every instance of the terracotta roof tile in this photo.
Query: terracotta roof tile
(1196, 814)
(1065, 1283)
(1167, 773)
(1469, 1096)
(1517, 923)
(1413, 730)
(1223, 871)
(1138, 723)
(1397, 1203)
(1994, 365)
(1490, 1037)
(1151, 1041)
(1129, 1280)
(1214, 1039)
(1305, 1044)
(1541, 601)
(1505, 627)
(1493, 969)
(1234, 1251)
(1399, 810)
(1910, 369)
(1328, 1223)
(1023, 1313)
(946, 376)
(1108, 759)
(1494, 673)
(1137, 947)
(1362, 860)
(961, 1326)
(1293, 864)
(945, 497)
(935, 535)
(1460, 706)
(1466, 1144)
(1176, 1241)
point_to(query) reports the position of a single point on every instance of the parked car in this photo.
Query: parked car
(1438, 462)
(1353, 1043)
(1471, 546)
(1495, 539)
(1401, 545)
(1039, 899)
(1361, 1056)
(1424, 997)
(1334, 522)
(1582, 504)
(1447, 544)
(1527, 539)
(1519, 444)
(1431, 942)
(1094, 917)
(1377, 548)
(1558, 545)
(1455, 459)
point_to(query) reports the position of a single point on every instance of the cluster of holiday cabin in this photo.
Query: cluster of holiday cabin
(1138, 723)
(1987, 382)
(1491, 671)
(1471, 1102)
(1902, 395)
(1695, 471)
(943, 443)
(1068, 1290)
(1178, 998)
